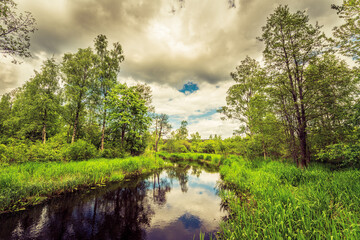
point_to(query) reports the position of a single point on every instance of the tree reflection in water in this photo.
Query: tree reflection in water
(118, 211)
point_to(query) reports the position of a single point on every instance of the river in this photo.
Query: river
(174, 203)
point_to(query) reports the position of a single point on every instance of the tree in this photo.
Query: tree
(250, 81)
(35, 112)
(5, 112)
(195, 137)
(162, 127)
(182, 132)
(348, 34)
(330, 100)
(108, 66)
(15, 30)
(128, 114)
(146, 94)
(79, 76)
(42, 97)
(290, 44)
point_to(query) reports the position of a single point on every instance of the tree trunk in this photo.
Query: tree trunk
(156, 130)
(44, 127)
(157, 141)
(103, 131)
(303, 147)
(264, 148)
(75, 126)
(76, 121)
(123, 134)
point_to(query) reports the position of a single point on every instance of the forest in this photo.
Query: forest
(291, 170)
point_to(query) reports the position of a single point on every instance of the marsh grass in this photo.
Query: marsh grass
(275, 200)
(31, 183)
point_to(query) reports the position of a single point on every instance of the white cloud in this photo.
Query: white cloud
(214, 125)
(180, 106)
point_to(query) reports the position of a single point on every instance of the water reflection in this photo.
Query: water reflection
(173, 204)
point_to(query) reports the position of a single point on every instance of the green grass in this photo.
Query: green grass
(274, 200)
(30, 183)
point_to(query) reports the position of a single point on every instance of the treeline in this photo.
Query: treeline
(70, 109)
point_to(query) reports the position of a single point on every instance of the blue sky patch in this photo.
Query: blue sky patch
(202, 116)
(189, 88)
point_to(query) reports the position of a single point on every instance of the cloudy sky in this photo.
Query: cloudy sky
(185, 53)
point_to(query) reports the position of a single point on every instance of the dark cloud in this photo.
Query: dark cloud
(204, 41)
(8, 77)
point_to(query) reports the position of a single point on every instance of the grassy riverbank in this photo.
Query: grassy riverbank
(275, 200)
(30, 183)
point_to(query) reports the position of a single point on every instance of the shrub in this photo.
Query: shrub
(80, 150)
(216, 160)
(343, 154)
(40, 152)
(208, 157)
(112, 153)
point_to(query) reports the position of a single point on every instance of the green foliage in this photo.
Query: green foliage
(35, 112)
(182, 133)
(191, 157)
(342, 154)
(208, 146)
(250, 81)
(128, 118)
(15, 30)
(80, 150)
(348, 33)
(55, 150)
(107, 68)
(162, 127)
(79, 74)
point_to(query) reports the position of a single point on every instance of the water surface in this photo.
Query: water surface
(172, 204)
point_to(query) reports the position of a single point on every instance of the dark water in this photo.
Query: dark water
(172, 204)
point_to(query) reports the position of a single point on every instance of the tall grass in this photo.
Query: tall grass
(30, 183)
(275, 200)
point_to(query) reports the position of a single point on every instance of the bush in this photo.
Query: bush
(16, 151)
(208, 157)
(112, 153)
(343, 154)
(80, 150)
(40, 152)
(216, 160)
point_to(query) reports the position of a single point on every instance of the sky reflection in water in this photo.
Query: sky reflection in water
(174, 204)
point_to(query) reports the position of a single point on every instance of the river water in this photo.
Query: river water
(173, 204)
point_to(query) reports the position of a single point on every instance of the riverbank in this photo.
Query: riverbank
(275, 200)
(31, 183)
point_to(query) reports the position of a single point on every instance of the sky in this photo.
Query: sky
(184, 52)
